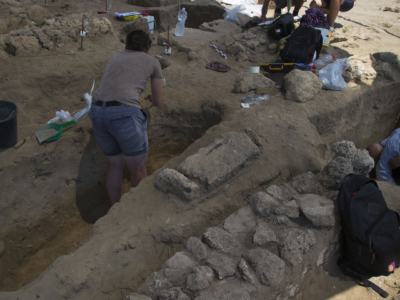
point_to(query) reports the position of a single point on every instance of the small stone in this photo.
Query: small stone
(282, 220)
(263, 204)
(387, 24)
(301, 86)
(164, 62)
(275, 192)
(253, 44)
(22, 16)
(192, 55)
(248, 274)
(173, 294)
(264, 235)
(72, 33)
(196, 248)
(222, 265)
(219, 239)
(60, 45)
(306, 184)
(136, 296)
(288, 193)
(242, 57)
(290, 209)
(249, 36)
(243, 221)
(272, 46)
(200, 279)
(229, 41)
(70, 52)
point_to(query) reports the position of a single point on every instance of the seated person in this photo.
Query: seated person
(331, 8)
(387, 157)
(279, 5)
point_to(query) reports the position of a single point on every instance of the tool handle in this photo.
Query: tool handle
(68, 123)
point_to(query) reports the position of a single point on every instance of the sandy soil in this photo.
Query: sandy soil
(52, 194)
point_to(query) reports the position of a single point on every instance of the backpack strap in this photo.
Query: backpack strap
(363, 280)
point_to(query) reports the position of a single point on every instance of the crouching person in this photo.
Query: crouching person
(387, 158)
(119, 124)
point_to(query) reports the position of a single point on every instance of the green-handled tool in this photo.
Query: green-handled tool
(51, 132)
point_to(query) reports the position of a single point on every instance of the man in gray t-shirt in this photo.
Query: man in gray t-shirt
(119, 124)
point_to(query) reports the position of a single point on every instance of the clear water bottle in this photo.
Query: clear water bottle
(180, 26)
(323, 61)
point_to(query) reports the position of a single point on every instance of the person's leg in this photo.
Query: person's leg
(297, 6)
(375, 151)
(334, 11)
(321, 5)
(114, 177)
(137, 168)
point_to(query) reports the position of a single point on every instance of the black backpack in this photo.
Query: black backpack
(301, 45)
(282, 27)
(370, 234)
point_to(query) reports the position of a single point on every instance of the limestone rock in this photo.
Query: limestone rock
(219, 239)
(263, 204)
(294, 242)
(290, 209)
(192, 55)
(252, 44)
(37, 13)
(136, 296)
(15, 11)
(197, 248)
(11, 2)
(282, 220)
(179, 261)
(153, 284)
(270, 269)
(272, 46)
(249, 36)
(334, 172)
(200, 278)
(243, 221)
(389, 57)
(103, 26)
(248, 81)
(231, 290)
(275, 192)
(21, 44)
(248, 274)
(288, 193)
(306, 184)
(388, 71)
(301, 86)
(72, 33)
(173, 294)
(222, 265)
(139, 23)
(361, 71)
(318, 209)
(242, 57)
(171, 181)
(264, 235)
(235, 48)
(219, 161)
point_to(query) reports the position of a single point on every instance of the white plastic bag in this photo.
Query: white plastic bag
(331, 75)
(61, 116)
(232, 13)
(254, 98)
(79, 115)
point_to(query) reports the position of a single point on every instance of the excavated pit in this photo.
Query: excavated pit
(71, 222)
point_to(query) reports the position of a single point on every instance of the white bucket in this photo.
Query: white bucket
(150, 21)
(254, 70)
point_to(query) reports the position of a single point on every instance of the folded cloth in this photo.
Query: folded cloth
(218, 66)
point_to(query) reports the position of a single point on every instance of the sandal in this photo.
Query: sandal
(218, 66)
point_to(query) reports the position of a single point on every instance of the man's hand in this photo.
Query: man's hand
(148, 97)
(394, 163)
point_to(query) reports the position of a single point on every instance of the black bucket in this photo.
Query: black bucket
(8, 124)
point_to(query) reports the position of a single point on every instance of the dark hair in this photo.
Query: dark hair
(137, 40)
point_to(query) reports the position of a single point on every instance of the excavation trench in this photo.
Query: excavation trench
(31, 248)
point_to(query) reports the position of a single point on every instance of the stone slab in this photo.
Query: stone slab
(219, 161)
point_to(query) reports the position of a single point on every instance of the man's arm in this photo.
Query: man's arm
(391, 150)
(156, 91)
(264, 11)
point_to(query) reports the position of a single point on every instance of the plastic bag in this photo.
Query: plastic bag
(254, 98)
(232, 13)
(331, 75)
(61, 116)
(79, 115)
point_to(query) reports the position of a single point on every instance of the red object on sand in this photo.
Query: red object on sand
(101, 11)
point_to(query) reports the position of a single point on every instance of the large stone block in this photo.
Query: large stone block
(17, 45)
(246, 82)
(139, 23)
(37, 13)
(293, 243)
(301, 86)
(318, 209)
(216, 163)
(171, 181)
(197, 248)
(270, 268)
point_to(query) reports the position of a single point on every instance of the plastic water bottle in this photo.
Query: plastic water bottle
(323, 61)
(180, 26)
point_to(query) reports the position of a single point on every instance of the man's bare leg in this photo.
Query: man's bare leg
(114, 177)
(297, 6)
(137, 168)
(375, 151)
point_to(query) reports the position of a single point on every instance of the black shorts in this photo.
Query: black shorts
(346, 6)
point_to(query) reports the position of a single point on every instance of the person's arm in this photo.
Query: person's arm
(156, 96)
(391, 150)
(264, 11)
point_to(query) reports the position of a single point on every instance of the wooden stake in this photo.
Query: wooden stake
(168, 38)
(83, 26)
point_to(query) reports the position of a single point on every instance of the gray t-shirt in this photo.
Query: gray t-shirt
(126, 76)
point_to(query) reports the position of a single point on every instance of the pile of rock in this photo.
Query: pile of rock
(256, 249)
(50, 33)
